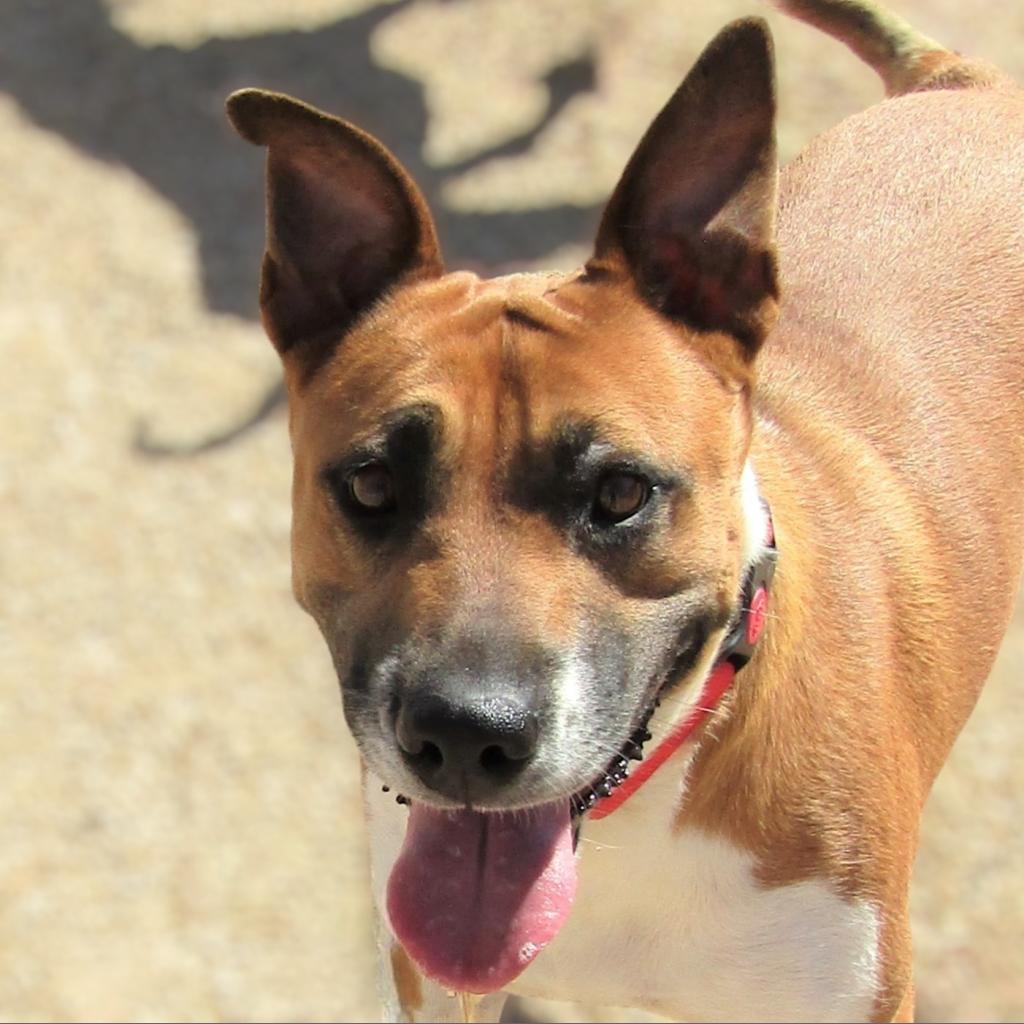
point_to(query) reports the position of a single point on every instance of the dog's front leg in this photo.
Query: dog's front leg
(406, 994)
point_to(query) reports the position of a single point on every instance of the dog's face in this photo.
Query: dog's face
(522, 493)
(519, 505)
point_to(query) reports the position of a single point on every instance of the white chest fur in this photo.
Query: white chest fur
(679, 925)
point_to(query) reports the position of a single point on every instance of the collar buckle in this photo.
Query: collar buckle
(738, 646)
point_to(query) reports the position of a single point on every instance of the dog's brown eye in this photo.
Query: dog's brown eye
(621, 495)
(373, 488)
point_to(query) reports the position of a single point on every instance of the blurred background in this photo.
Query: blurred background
(180, 834)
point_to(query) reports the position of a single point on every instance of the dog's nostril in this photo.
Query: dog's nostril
(430, 755)
(493, 759)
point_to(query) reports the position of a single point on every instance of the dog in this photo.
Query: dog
(659, 591)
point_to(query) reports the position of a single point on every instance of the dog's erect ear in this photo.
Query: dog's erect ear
(693, 217)
(344, 222)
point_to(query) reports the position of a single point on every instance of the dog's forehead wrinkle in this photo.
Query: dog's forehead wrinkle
(462, 298)
(538, 303)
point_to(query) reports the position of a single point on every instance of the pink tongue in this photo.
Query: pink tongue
(474, 897)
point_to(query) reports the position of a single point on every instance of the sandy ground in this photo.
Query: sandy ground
(179, 825)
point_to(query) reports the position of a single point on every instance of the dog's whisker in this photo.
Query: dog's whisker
(599, 846)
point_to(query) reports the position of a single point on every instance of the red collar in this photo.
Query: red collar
(735, 652)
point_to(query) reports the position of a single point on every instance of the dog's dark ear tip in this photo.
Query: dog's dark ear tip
(247, 111)
(263, 117)
(257, 114)
(746, 39)
(753, 30)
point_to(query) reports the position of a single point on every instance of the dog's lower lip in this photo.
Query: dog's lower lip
(616, 771)
(601, 786)
(580, 801)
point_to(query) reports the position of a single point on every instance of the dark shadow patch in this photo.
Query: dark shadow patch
(563, 83)
(159, 111)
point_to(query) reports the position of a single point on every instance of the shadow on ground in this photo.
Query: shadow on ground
(159, 111)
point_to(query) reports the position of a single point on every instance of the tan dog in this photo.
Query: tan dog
(530, 519)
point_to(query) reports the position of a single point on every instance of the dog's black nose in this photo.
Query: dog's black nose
(465, 747)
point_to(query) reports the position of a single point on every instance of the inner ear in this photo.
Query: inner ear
(345, 222)
(693, 217)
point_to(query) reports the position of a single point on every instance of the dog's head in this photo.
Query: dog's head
(520, 507)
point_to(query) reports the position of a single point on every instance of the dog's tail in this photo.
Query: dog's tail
(906, 60)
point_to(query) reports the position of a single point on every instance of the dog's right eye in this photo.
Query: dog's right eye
(371, 488)
(620, 496)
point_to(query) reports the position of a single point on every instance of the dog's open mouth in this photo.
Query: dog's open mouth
(475, 895)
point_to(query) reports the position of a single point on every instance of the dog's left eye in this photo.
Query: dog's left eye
(620, 496)
(372, 488)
